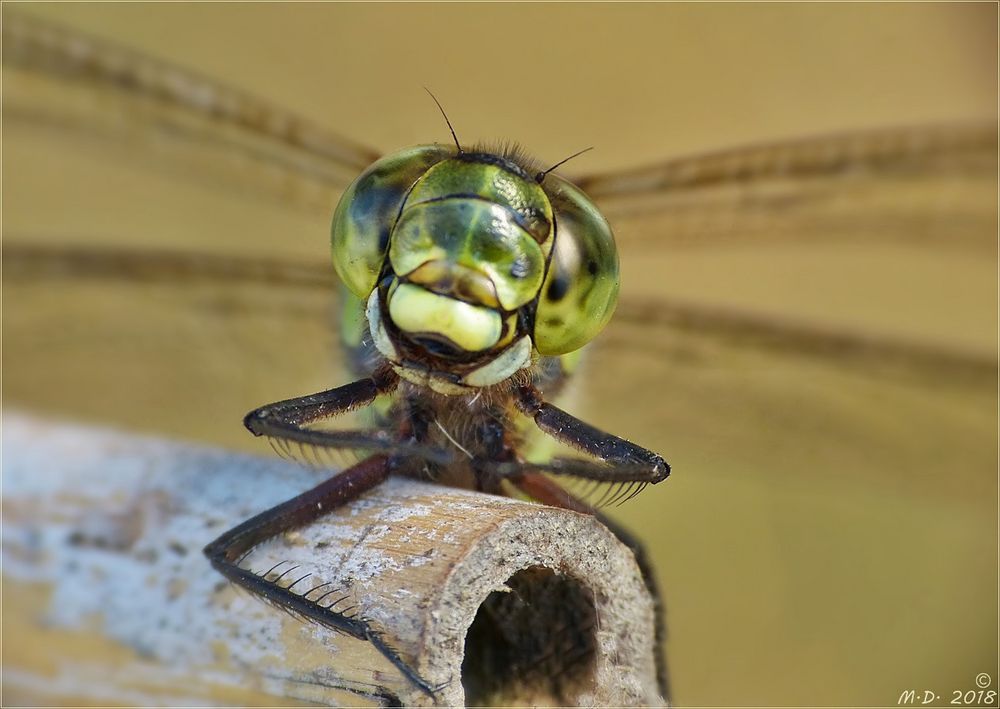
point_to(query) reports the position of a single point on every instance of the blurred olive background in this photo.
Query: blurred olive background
(830, 534)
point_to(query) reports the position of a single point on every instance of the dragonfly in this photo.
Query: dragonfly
(474, 308)
(158, 319)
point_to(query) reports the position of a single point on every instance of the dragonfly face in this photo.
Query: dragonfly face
(469, 264)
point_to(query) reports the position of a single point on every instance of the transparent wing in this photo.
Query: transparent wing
(152, 222)
(104, 144)
(835, 292)
(886, 235)
(860, 247)
(159, 341)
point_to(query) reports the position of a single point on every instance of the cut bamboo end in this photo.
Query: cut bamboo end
(493, 600)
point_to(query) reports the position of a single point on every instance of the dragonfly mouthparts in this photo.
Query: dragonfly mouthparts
(457, 281)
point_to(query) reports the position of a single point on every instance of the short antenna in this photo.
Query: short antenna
(440, 108)
(541, 176)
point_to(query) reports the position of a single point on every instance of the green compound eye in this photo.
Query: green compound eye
(580, 290)
(359, 237)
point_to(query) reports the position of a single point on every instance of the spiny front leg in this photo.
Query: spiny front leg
(623, 481)
(288, 420)
(226, 552)
(591, 440)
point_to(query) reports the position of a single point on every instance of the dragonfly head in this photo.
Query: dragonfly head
(470, 264)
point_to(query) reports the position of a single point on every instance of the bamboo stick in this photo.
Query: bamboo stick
(108, 599)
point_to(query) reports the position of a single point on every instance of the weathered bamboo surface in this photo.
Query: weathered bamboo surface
(107, 598)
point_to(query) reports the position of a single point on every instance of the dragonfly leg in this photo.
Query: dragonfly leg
(226, 552)
(287, 420)
(627, 476)
(547, 491)
(580, 435)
